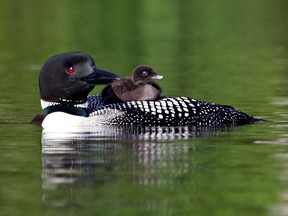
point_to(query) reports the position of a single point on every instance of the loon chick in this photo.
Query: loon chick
(140, 87)
(65, 81)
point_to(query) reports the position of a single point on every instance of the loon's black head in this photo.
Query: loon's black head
(69, 77)
(146, 74)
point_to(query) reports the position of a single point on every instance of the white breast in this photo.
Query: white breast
(60, 121)
(64, 122)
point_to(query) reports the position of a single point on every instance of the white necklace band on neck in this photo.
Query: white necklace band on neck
(45, 104)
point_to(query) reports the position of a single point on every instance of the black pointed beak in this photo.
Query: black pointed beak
(98, 77)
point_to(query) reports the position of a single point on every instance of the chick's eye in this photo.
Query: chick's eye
(144, 73)
(70, 70)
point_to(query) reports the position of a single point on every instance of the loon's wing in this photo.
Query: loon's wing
(168, 111)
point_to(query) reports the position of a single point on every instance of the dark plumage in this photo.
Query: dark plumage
(140, 87)
(168, 111)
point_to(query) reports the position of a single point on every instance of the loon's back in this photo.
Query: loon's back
(169, 111)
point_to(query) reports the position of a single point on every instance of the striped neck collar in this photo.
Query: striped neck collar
(73, 109)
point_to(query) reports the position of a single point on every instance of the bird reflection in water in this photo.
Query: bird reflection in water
(103, 155)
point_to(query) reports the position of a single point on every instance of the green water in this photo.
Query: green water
(229, 52)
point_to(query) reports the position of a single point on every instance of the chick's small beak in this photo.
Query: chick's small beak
(157, 77)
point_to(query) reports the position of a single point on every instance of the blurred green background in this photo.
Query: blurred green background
(224, 52)
(228, 52)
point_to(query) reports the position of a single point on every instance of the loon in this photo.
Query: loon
(65, 81)
(140, 87)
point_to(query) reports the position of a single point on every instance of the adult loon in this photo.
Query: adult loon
(66, 79)
(140, 87)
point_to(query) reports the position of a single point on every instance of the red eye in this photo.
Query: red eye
(70, 70)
